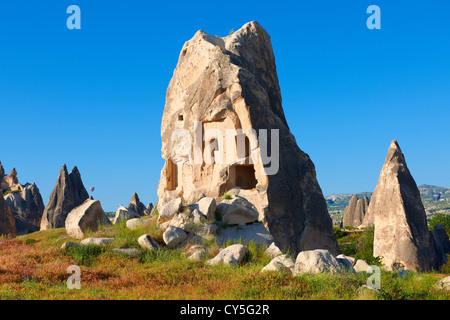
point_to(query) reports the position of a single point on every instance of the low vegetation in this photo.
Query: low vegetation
(34, 267)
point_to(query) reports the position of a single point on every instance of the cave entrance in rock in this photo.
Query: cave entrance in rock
(244, 176)
(172, 175)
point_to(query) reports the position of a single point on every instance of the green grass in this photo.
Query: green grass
(34, 267)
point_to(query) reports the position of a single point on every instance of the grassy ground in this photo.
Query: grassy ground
(34, 267)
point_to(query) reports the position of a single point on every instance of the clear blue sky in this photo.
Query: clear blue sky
(94, 97)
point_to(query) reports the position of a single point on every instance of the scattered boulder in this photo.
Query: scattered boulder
(444, 284)
(169, 210)
(174, 236)
(147, 242)
(281, 263)
(316, 261)
(242, 93)
(69, 193)
(7, 223)
(347, 262)
(136, 205)
(361, 266)
(136, 223)
(233, 254)
(237, 211)
(123, 213)
(197, 253)
(273, 251)
(87, 216)
(97, 241)
(207, 207)
(206, 229)
(401, 238)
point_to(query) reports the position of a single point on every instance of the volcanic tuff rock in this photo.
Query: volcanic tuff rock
(27, 208)
(7, 224)
(86, 217)
(24, 201)
(354, 214)
(69, 193)
(136, 205)
(231, 83)
(401, 235)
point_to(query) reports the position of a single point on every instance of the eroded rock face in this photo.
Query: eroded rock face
(27, 208)
(136, 205)
(401, 235)
(69, 193)
(355, 212)
(7, 223)
(231, 83)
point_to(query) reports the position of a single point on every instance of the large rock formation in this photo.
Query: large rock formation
(355, 212)
(24, 201)
(27, 208)
(136, 205)
(231, 83)
(7, 224)
(401, 235)
(69, 192)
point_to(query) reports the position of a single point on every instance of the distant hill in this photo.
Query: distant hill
(338, 202)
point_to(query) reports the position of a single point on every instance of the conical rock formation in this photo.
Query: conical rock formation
(69, 192)
(231, 83)
(136, 205)
(401, 235)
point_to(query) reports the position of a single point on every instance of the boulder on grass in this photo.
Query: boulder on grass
(316, 261)
(233, 254)
(174, 236)
(281, 263)
(361, 266)
(147, 242)
(136, 223)
(87, 216)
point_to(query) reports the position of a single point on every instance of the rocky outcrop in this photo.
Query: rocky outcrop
(24, 201)
(401, 238)
(27, 208)
(86, 217)
(7, 223)
(231, 83)
(136, 205)
(355, 212)
(69, 193)
(281, 263)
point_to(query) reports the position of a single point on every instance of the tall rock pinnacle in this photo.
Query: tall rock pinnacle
(69, 192)
(401, 235)
(231, 83)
